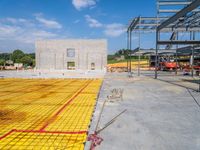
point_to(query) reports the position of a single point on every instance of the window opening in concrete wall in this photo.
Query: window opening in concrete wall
(70, 52)
(71, 65)
(92, 66)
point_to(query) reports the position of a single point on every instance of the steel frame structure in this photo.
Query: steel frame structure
(170, 6)
(186, 19)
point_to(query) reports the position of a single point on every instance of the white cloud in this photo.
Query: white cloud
(6, 30)
(114, 29)
(110, 30)
(79, 4)
(48, 23)
(11, 20)
(43, 34)
(15, 21)
(93, 23)
(22, 33)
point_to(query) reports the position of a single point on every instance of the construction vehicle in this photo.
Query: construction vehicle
(167, 64)
(197, 68)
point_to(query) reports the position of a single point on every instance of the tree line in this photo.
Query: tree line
(124, 52)
(17, 56)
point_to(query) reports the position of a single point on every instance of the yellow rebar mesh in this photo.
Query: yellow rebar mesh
(44, 141)
(27, 104)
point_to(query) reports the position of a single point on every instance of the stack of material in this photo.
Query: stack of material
(122, 66)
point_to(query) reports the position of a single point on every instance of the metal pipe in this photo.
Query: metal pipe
(110, 122)
(100, 114)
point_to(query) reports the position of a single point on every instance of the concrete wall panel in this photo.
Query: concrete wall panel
(52, 54)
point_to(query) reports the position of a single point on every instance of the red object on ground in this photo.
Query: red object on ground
(170, 65)
(95, 140)
(196, 67)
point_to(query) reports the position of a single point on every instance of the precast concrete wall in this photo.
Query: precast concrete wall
(85, 54)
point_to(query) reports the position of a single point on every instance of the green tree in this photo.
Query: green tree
(33, 64)
(27, 60)
(32, 55)
(124, 52)
(5, 56)
(17, 55)
(2, 62)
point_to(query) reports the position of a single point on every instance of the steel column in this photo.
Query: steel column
(176, 53)
(192, 62)
(127, 51)
(139, 51)
(130, 44)
(156, 59)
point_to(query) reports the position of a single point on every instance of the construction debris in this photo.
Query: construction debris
(116, 94)
(95, 138)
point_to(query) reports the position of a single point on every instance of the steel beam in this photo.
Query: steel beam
(153, 28)
(133, 24)
(153, 18)
(178, 42)
(136, 22)
(147, 24)
(181, 13)
(173, 10)
(168, 3)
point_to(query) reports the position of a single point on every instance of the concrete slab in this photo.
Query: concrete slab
(51, 74)
(160, 115)
(178, 79)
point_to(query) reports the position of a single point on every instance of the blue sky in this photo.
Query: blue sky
(24, 21)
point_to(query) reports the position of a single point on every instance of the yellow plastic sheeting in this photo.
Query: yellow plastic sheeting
(77, 116)
(63, 105)
(43, 141)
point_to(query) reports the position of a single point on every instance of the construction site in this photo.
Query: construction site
(69, 101)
